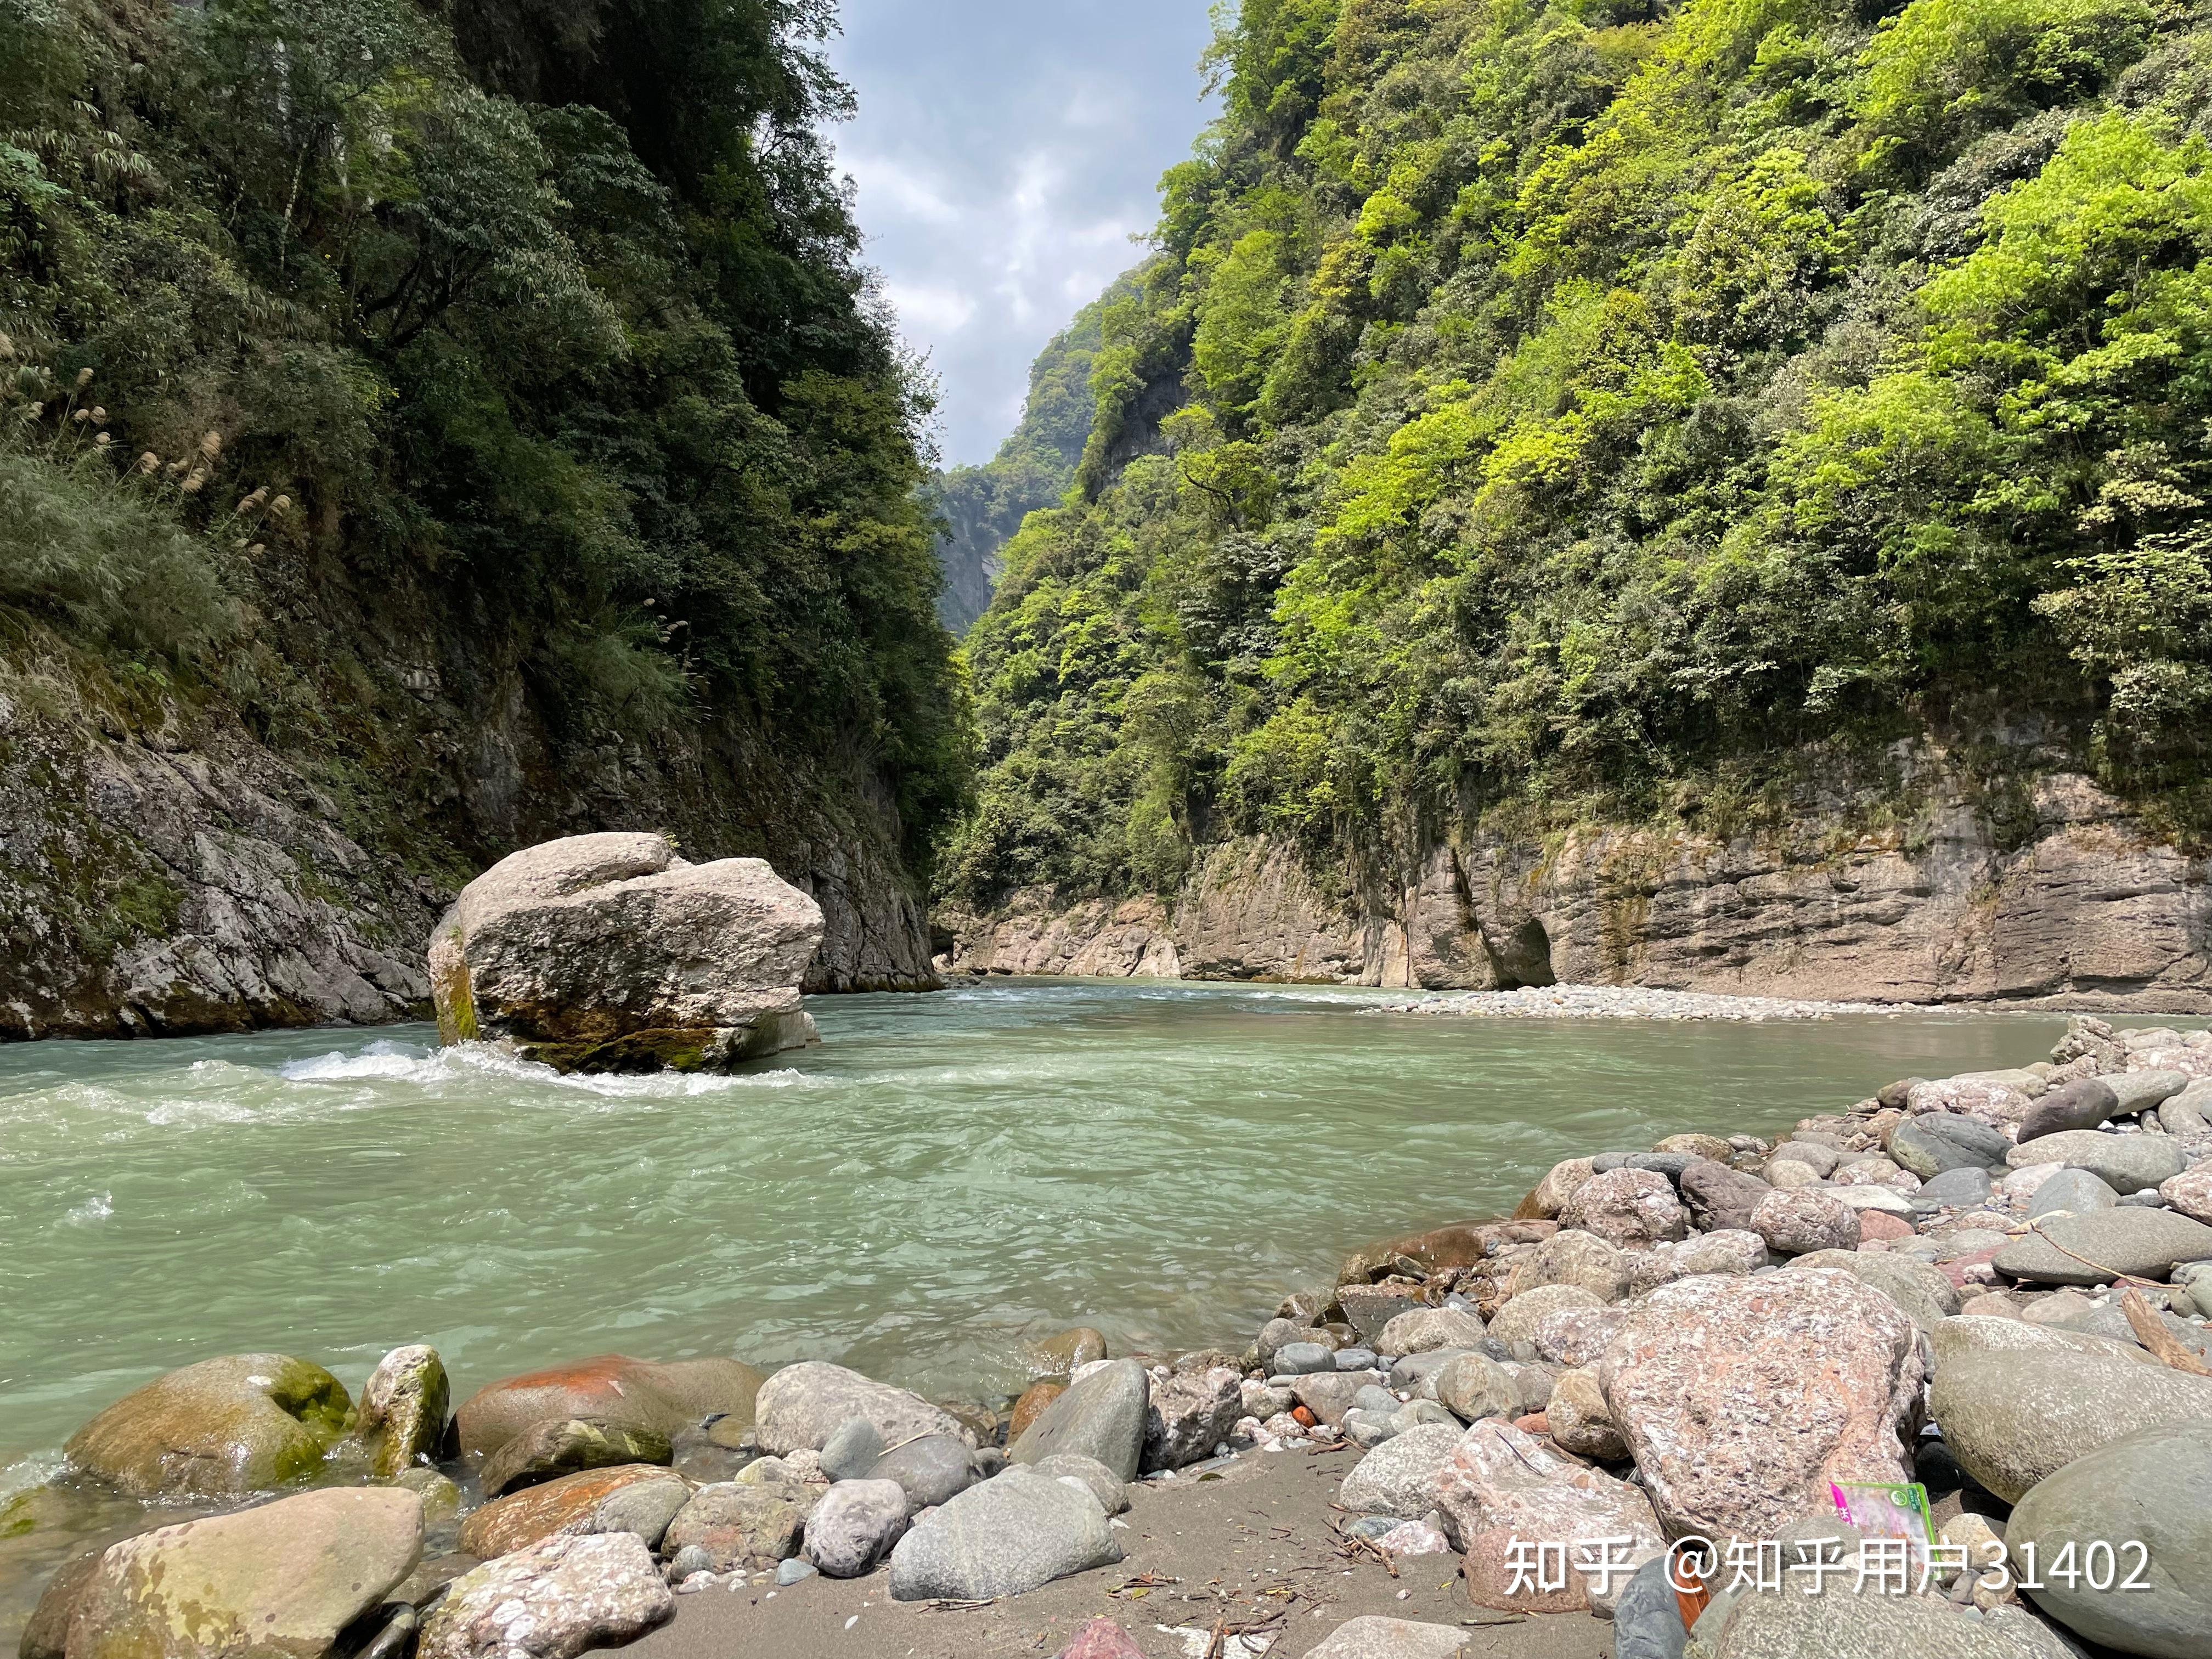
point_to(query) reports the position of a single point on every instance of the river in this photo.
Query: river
(946, 1176)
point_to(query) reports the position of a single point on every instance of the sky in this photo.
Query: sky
(1005, 153)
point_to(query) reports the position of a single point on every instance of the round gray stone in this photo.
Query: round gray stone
(1101, 1417)
(852, 1449)
(1955, 1190)
(2126, 1164)
(2012, 1419)
(1005, 1537)
(2096, 1247)
(2076, 1191)
(1937, 1141)
(928, 1471)
(2150, 1488)
(1297, 1358)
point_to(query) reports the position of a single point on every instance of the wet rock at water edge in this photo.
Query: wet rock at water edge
(2126, 1164)
(612, 1389)
(2096, 1247)
(610, 953)
(1276, 1335)
(1626, 1207)
(2013, 1418)
(1005, 1537)
(544, 1451)
(553, 1601)
(1101, 1417)
(570, 1503)
(1549, 1195)
(1369, 1308)
(2144, 1500)
(284, 1579)
(1188, 1414)
(1056, 1356)
(244, 1423)
(854, 1526)
(801, 1406)
(404, 1407)
(1704, 1366)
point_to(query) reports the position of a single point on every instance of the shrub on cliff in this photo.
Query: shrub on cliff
(1551, 408)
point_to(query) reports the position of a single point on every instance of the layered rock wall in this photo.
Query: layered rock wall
(165, 870)
(2082, 903)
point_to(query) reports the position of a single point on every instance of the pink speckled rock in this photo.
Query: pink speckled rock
(1626, 1207)
(1800, 1222)
(1742, 1399)
(2191, 1192)
(552, 1600)
(1503, 1483)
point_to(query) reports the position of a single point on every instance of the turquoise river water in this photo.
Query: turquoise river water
(946, 1175)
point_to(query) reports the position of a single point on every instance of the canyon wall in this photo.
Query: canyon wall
(2080, 902)
(165, 872)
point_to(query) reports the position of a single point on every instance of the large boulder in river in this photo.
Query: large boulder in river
(610, 1388)
(1742, 1398)
(243, 1422)
(609, 953)
(802, 1406)
(2145, 1498)
(282, 1579)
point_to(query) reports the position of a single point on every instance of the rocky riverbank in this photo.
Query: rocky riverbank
(1480, 1439)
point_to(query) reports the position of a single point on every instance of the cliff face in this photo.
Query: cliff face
(425, 431)
(162, 872)
(2081, 903)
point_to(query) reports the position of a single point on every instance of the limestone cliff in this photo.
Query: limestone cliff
(2078, 901)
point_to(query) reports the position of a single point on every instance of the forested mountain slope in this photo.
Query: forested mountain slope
(430, 428)
(983, 506)
(1697, 493)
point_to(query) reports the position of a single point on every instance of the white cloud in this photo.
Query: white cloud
(1005, 153)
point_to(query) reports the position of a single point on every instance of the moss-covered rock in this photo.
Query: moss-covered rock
(243, 1422)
